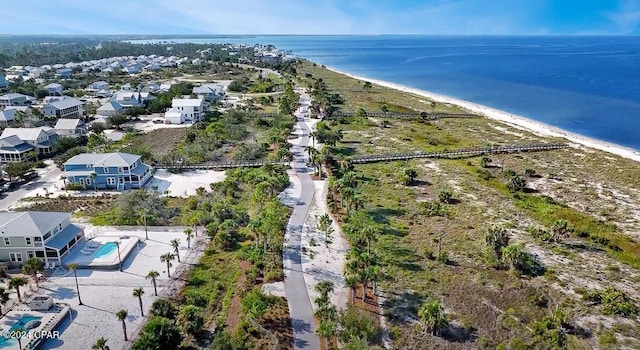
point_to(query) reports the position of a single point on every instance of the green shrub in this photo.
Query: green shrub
(74, 186)
(613, 301)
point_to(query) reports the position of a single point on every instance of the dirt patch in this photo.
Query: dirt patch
(234, 314)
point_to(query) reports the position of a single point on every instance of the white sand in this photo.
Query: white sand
(327, 263)
(186, 183)
(511, 119)
(103, 293)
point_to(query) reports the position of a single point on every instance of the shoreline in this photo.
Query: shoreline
(519, 122)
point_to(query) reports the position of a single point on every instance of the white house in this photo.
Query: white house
(68, 107)
(54, 89)
(110, 109)
(210, 92)
(40, 138)
(174, 117)
(70, 128)
(14, 99)
(192, 109)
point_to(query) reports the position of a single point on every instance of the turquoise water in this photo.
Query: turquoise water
(4, 342)
(105, 250)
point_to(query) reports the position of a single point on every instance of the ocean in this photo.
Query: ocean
(585, 85)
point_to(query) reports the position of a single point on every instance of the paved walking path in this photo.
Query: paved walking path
(300, 310)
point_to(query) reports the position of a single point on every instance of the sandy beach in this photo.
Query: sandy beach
(516, 121)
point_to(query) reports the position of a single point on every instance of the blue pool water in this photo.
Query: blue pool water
(4, 342)
(105, 250)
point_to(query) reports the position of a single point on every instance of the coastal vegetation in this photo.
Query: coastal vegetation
(482, 252)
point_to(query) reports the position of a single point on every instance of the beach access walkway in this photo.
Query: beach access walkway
(300, 310)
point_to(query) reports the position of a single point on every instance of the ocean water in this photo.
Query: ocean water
(586, 85)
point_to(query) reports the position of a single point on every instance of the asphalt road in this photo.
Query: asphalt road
(10, 197)
(300, 310)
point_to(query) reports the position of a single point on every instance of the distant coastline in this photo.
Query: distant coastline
(516, 121)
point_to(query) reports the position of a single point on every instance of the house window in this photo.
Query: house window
(60, 226)
(111, 181)
(47, 235)
(31, 254)
(105, 170)
(28, 241)
(82, 181)
(88, 166)
(15, 257)
(121, 180)
(120, 170)
(7, 241)
(39, 254)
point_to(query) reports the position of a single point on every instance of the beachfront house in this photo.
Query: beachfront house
(40, 139)
(70, 128)
(65, 107)
(54, 89)
(118, 171)
(47, 236)
(210, 92)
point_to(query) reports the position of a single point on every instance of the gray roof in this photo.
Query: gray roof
(111, 106)
(26, 134)
(29, 223)
(53, 85)
(68, 124)
(60, 239)
(7, 115)
(104, 159)
(65, 103)
(12, 95)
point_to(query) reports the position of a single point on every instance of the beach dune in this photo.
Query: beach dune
(516, 121)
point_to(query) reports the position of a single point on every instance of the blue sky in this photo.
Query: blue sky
(513, 17)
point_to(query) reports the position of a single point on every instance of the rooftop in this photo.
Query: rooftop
(29, 223)
(104, 159)
(26, 134)
(67, 124)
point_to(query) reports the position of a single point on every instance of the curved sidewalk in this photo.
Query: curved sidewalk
(300, 310)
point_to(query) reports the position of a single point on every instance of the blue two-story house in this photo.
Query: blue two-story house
(118, 171)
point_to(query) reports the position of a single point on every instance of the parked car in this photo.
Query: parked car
(29, 176)
(8, 186)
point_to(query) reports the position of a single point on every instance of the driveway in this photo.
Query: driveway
(48, 177)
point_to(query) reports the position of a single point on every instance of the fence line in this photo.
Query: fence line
(468, 152)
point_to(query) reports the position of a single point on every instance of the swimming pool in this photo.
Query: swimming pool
(6, 342)
(105, 250)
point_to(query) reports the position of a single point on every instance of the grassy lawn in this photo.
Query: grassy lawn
(597, 193)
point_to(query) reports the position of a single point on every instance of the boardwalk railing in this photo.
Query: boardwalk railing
(220, 165)
(467, 152)
(396, 115)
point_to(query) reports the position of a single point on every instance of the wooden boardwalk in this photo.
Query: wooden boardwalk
(220, 165)
(460, 153)
(394, 115)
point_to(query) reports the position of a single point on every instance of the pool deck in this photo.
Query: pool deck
(49, 321)
(107, 262)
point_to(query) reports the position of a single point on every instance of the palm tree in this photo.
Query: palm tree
(143, 220)
(175, 243)
(352, 281)
(559, 230)
(327, 329)
(189, 233)
(74, 267)
(32, 267)
(4, 298)
(153, 274)
(93, 177)
(138, 292)
(19, 331)
(17, 282)
(497, 238)
(122, 316)
(433, 318)
(100, 344)
(167, 258)
(324, 288)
